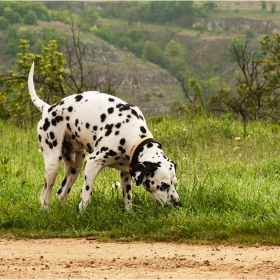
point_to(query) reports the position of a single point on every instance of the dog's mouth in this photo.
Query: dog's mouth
(169, 203)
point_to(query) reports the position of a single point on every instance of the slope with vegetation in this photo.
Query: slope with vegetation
(187, 39)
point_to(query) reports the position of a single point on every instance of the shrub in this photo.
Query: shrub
(30, 18)
(3, 24)
(11, 16)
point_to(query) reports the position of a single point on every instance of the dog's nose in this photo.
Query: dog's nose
(176, 202)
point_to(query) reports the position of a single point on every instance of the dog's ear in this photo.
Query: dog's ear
(146, 167)
(138, 167)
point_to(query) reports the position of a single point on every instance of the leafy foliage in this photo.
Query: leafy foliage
(15, 102)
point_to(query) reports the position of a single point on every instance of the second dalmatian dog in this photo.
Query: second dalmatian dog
(114, 133)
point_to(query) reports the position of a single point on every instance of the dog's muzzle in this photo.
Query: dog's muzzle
(176, 202)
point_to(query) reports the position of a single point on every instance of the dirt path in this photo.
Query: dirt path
(81, 258)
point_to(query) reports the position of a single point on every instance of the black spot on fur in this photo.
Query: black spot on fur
(78, 97)
(133, 112)
(121, 149)
(53, 114)
(104, 149)
(87, 125)
(108, 127)
(64, 182)
(46, 124)
(76, 122)
(55, 143)
(150, 145)
(89, 148)
(73, 171)
(97, 141)
(111, 99)
(118, 125)
(111, 110)
(54, 122)
(70, 109)
(87, 188)
(122, 141)
(103, 117)
(59, 119)
(111, 153)
(143, 129)
(128, 188)
(39, 138)
(95, 128)
(124, 107)
(52, 136)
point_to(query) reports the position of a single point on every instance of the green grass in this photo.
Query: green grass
(229, 188)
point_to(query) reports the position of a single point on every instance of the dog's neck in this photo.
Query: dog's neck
(133, 159)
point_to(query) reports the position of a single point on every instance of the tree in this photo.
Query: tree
(30, 18)
(3, 24)
(273, 7)
(256, 96)
(105, 33)
(152, 53)
(175, 54)
(11, 16)
(237, 44)
(193, 93)
(12, 41)
(48, 78)
(56, 75)
(81, 74)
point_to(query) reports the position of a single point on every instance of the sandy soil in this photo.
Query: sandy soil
(82, 258)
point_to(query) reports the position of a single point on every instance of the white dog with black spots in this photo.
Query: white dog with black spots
(114, 133)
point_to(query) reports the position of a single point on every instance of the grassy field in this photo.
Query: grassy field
(229, 187)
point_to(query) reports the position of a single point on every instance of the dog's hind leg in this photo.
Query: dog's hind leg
(71, 172)
(52, 164)
(126, 188)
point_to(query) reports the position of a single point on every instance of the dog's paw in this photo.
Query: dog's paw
(82, 206)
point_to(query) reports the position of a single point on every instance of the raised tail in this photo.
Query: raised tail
(39, 103)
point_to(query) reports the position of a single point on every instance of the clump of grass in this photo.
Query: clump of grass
(229, 188)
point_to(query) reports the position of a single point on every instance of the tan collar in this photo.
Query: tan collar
(132, 153)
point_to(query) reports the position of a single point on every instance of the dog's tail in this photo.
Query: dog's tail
(35, 98)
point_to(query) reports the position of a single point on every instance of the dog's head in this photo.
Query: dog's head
(159, 179)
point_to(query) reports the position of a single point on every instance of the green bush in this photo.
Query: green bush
(30, 18)
(152, 53)
(11, 16)
(3, 24)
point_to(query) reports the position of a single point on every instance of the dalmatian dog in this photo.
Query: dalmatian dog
(114, 133)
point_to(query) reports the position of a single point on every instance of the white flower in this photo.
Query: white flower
(237, 138)
(116, 185)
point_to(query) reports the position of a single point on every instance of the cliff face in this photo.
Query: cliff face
(142, 83)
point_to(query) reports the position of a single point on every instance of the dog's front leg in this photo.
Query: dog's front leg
(126, 189)
(93, 166)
